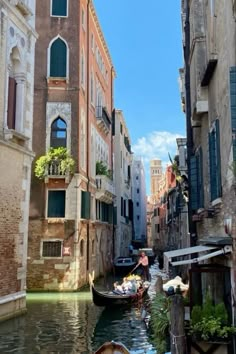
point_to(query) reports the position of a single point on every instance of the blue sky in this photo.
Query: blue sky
(145, 44)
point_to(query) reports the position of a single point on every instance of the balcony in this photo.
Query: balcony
(209, 70)
(105, 189)
(25, 7)
(54, 171)
(103, 119)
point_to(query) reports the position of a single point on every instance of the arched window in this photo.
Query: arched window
(58, 133)
(81, 248)
(58, 58)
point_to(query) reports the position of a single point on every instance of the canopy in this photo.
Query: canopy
(211, 252)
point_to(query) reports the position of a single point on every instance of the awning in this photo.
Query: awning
(211, 252)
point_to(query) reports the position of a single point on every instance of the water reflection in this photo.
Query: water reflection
(70, 323)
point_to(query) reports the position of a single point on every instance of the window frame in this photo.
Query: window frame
(47, 198)
(49, 59)
(51, 240)
(58, 130)
(62, 16)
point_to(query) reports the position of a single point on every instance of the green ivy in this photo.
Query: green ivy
(58, 155)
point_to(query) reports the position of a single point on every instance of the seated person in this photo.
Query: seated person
(118, 288)
(129, 286)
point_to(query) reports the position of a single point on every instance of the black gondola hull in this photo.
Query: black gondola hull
(111, 299)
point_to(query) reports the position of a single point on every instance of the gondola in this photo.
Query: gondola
(109, 298)
(112, 348)
(123, 265)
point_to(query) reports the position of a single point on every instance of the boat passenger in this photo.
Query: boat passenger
(118, 289)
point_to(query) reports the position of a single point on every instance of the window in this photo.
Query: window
(83, 69)
(197, 191)
(81, 248)
(11, 111)
(137, 178)
(121, 128)
(92, 42)
(52, 249)
(59, 8)
(137, 204)
(121, 206)
(58, 58)
(58, 133)
(92, 88)
(215, 165)
(85, 205)
(83, 19)
(56, 203)
(138, 217)
(137, 190)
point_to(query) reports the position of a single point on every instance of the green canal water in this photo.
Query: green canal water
(70, 323)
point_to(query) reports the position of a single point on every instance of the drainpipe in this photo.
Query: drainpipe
(192, 225)
(88, 125)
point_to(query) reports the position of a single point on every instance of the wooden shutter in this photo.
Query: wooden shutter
(11, 109)
(56, 204)
(58, 59)
(115, 216)
(212, 158)
(218, 160)
(110, 213)
(85, 205)
(233, 107)
(59, 7)
(131, 207)
(193, 178)
(200, 179)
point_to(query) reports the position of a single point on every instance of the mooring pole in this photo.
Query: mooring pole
(177, 334)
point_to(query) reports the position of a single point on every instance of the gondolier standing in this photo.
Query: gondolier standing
(143, 260)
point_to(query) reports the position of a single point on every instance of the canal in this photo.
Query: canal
(71, 323)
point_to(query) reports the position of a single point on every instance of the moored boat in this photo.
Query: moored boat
(124, 265)
(112, 348)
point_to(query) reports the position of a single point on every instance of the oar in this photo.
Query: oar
(133, 270)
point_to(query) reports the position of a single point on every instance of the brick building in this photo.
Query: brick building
(71, 227)
(17, 43)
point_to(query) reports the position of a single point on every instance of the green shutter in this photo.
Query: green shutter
(218, 160)
(85, 205)
(59, 7)
(58, 59)
(200, 179)
(212, 158)
(110, 213)
(56, 204)
(233, 106)
(193, 178)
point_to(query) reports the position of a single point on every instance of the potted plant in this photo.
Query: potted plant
(101, 169)
(210, 322)
(56, 161)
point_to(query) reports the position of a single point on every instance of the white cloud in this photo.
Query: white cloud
(156, 145)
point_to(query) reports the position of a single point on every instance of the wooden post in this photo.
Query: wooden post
(177, 334)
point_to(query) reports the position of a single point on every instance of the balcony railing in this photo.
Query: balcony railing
(103, 118)
(53, 170)
(105, 189)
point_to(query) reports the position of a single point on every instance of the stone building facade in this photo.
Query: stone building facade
(123, 185)
(211, 119)
(139, 201)
(17, 43)
(71, 226)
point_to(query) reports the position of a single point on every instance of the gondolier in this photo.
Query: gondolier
(143, 260)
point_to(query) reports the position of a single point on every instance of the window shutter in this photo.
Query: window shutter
(193, 177)
(200, 179)
(233, 106)
(56, 204)
(58, 59)
(131, 207)
(218, 160)
(212, 157)
(11, 110)
(59, 7)
(85, 205)
(110, 213)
